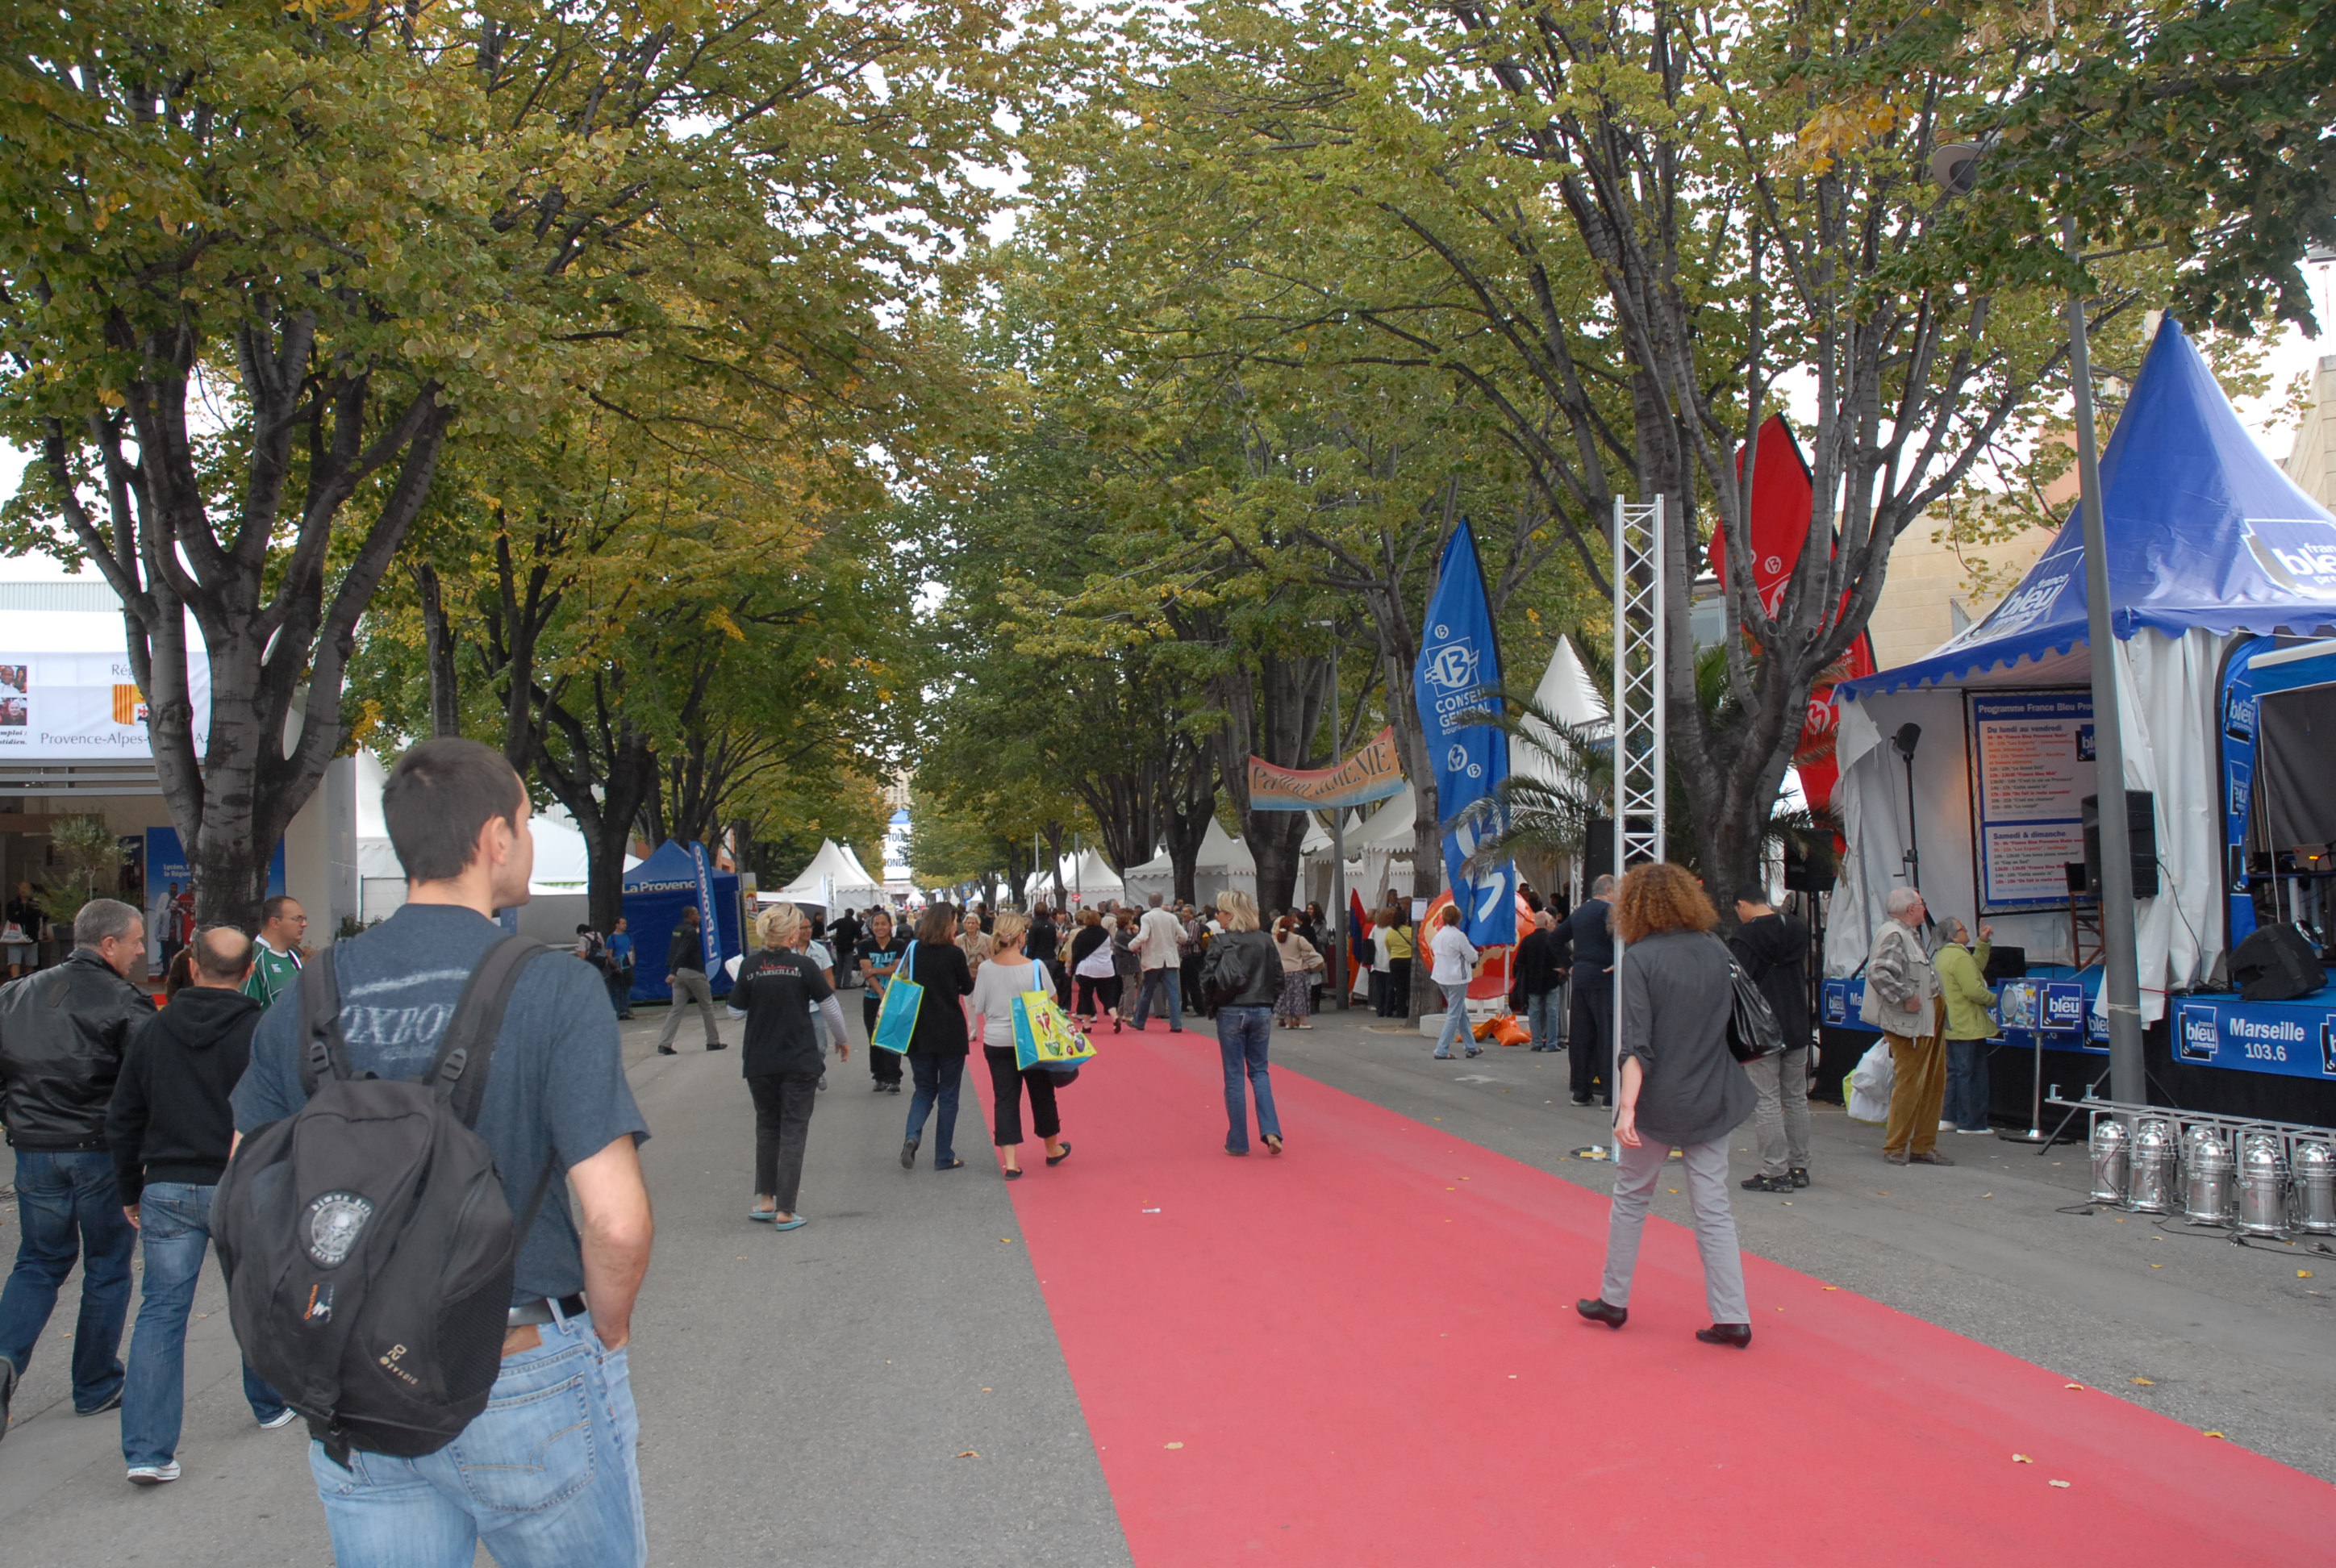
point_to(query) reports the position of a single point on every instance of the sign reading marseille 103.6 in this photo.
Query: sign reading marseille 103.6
(2257, 1038)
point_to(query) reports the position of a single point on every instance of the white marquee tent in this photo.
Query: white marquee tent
(832, 881)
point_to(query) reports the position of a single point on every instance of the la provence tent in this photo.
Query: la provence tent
(2216, 559)
(655, 892)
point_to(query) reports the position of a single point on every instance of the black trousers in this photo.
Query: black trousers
(1189, 967)
(1590, 1034)
(1008, 1082)
(1398, 988)
(1092, 991)
(884, 1067)
(782, 1107)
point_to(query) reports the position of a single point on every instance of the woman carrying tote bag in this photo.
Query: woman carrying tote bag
(937, 1046)
(1681, 1089)
(1007, 974)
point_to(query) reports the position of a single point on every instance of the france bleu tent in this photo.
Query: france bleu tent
(655, 892)
(2209, 546)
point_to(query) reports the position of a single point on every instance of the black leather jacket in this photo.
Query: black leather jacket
(61, 1034)
(1243, 969)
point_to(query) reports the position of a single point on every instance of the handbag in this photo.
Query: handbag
(1043, 1035)
(896, 1018)
(1752, 1028)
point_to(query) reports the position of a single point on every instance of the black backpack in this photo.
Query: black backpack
(367, 1242)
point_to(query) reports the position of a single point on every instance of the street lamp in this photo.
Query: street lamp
(1955, 168)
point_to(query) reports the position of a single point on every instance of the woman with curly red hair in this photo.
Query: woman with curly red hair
(1680, 1087)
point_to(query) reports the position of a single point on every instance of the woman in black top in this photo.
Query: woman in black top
(880, 954)
(936, 1046)
(1097, 978)
(1242, 978)
(778, 990)
(1046, 942)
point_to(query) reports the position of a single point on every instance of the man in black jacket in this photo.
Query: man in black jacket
(1541, 981)
(1592, 1027)
(62, 1033)
(1774, 950)
(171, 1127)
(685, 960)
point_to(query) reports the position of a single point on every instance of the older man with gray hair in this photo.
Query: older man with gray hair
(1902, 1000)
(62, 1031)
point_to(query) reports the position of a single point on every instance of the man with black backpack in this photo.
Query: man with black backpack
(401, 1262)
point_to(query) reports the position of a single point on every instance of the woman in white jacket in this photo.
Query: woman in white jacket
(1456, 962)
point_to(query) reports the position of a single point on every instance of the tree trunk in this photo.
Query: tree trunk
(438, 636)
(1272, 712)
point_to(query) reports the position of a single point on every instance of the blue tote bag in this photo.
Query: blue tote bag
(896, 1019)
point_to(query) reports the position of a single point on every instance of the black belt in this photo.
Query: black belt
(541, 1310)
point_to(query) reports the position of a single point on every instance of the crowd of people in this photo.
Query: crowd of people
(126, 1119)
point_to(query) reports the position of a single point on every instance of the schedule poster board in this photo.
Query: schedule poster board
(2032, 753)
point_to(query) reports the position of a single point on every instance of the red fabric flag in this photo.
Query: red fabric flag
(1782, 496)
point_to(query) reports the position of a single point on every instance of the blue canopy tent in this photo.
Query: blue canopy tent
(2214, 556)
(655, 892)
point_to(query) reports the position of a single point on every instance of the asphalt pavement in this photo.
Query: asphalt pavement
(884, 1387)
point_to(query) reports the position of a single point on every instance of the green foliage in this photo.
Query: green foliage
(89, 855)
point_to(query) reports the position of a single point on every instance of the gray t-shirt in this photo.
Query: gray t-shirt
(556, 1090)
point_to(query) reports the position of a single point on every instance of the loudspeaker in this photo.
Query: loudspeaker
(1810, 869)
(2079, 879)
(2276, 964)
(2141, 825)
(2005, 964)
(1597, 852)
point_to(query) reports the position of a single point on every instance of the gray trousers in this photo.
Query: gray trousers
(1781, 1118)
(1635, 1180)
(689, 986)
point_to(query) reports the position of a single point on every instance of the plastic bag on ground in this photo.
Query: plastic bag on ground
(1870, 1082)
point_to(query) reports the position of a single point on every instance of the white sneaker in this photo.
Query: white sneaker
(1976, 1131)
(1946, 1127)
(153, 1474)
(274, 1423)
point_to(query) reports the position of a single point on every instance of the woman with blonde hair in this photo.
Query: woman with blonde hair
(781, 992)
(1241, 979)
(1681, 1089)
(1007, 974)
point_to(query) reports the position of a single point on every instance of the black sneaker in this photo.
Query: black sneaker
(1766, 1184)
(1799, 1174)
(112, 1402)
(667, 1051)
(7, 1391)
(1581, 1099)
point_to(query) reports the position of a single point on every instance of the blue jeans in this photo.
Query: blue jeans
(1966, 1104)
(1155, 980)
(70, 1208)
(1547, 1020)
(1242, 1035)
(174, 1222)
(937, 1081)
(548, 1477)
(1455, 1020)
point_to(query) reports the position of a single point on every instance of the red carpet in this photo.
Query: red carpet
(1365, 1352)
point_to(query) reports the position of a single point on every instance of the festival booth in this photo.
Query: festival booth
(1088, 880)
(1223, 862)
(655, 892)
(833, 881)
(1970, 771)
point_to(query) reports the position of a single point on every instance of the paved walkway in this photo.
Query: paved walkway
(806, 1397)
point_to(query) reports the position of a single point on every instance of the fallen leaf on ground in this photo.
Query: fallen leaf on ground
(2022, 1459)
(2213, 1434)
(2145, 1382)
(2157, 1265)
(2062, 1485)
(1171, 1445)
(1832, 1287)
(2304, 1273)
(2078, 1386)
(970, 1454)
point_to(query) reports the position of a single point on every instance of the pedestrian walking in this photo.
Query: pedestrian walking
(682, 958)
(548, 1474)
(275, 965)
(1010, 972)
(880, 955)
(1971, 1024)
(939, 1044)
(1398, 938)
(1302, 961)
(844, 932)
(973, 942)
(1680, 1088)
(20, 938)
(620, 974)
(62, 1032)
(1126, 964)
(1094, 971)
(172, 1129)
(1045, 937)
(1590, 1029)
(1455, 960)
(1902, 1000)
(1773, 950)
(1311, 926)
(1541, 982)
(787, 998)
(1159, 943)
(1243, 979)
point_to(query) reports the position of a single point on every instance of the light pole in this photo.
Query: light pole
(1338, 912)
(1956, 170)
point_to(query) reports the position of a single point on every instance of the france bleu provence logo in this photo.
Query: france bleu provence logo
(2299, 553)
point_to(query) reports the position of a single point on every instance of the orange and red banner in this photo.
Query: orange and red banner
(1372, 773)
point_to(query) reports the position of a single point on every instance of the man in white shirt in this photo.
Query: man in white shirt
(1157, 943)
